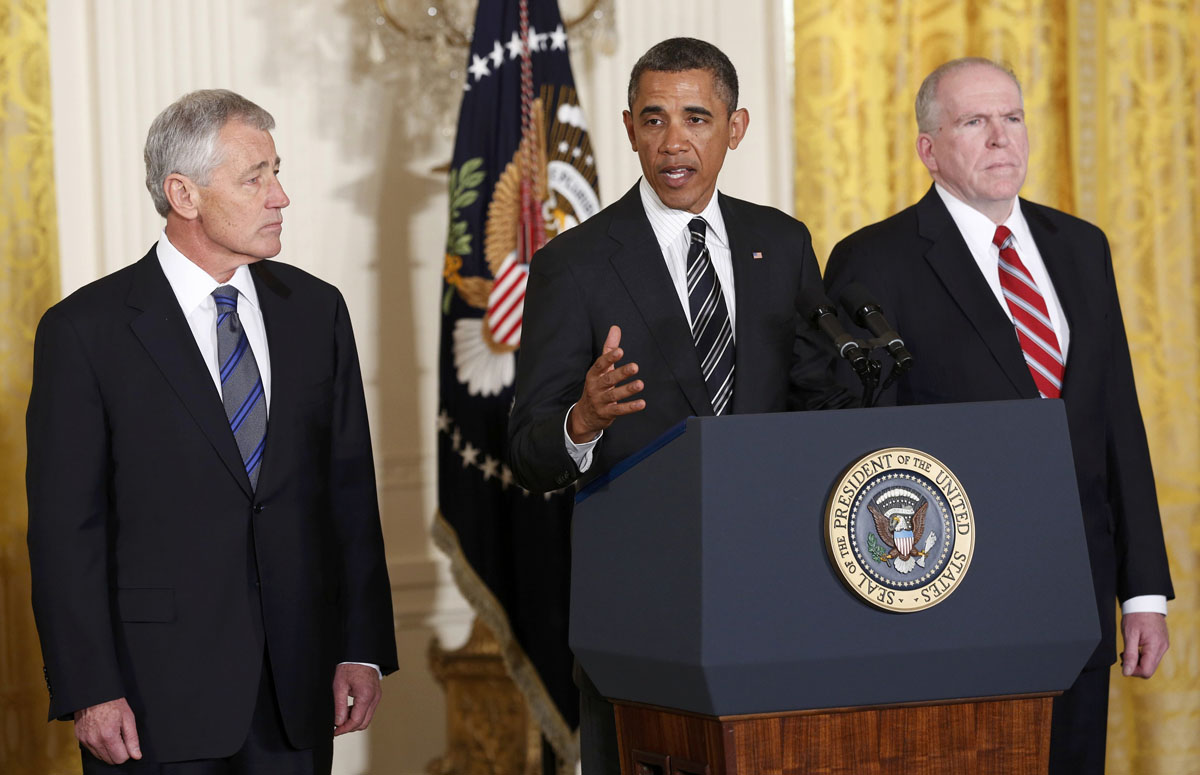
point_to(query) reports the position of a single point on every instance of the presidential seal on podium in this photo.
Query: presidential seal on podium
(899, 529)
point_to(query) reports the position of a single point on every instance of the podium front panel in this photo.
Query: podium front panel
(700, 578)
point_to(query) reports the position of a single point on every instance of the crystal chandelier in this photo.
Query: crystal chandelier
(425, 43)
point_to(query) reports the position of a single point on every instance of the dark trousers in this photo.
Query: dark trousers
(1079, 726)
(598, 753)
(266, 750)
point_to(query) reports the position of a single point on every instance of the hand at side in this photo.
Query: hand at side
(108, 731)
(362, 683)
(1146, 641)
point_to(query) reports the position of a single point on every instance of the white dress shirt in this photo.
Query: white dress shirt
(674, 239)
(193, 289)
(977, 231)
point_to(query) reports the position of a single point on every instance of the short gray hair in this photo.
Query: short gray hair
(927, 104)
(183, 138)
(676, 55)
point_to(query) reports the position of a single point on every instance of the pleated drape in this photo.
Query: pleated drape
(28, 284)
(1112, 100)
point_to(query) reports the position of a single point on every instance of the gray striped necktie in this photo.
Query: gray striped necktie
(241, 384)
(711, 329)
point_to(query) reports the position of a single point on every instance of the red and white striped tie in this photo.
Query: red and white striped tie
(1034, 329)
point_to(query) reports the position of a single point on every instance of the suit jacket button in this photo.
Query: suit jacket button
(258, 508)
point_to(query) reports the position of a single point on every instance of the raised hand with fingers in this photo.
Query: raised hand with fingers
(605, 392)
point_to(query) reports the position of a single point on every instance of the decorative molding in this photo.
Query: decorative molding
(424, 596)
(489, 728)
(403, 470)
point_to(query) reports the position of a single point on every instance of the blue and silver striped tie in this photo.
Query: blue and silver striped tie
(241, 384)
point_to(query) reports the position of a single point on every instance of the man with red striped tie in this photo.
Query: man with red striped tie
(1001, 298)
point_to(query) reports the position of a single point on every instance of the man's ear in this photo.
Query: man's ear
(183, 195)
(925, 151)
(739, 122)
(627, 117)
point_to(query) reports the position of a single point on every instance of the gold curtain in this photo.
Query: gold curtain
(28, 284)
(1112, 100)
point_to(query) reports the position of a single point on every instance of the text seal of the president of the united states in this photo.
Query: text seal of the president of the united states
(900, 530)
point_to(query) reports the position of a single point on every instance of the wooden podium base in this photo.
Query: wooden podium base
(991, 736)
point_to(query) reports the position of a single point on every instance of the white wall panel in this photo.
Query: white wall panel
(367, 214)
(752, 34)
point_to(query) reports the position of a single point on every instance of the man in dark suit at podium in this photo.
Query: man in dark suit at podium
(699, 289)
(1001, 298)
(209, 579)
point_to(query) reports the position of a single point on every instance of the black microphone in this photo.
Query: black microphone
(820, 312)
(865, 311)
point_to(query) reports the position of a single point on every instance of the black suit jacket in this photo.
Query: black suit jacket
(158, 574)
(964, 348)
(609, 271)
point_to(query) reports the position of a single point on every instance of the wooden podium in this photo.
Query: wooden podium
(1000, 736)
(705, 606)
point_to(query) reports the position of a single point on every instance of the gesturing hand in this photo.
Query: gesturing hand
(603, 398)
(108, 731)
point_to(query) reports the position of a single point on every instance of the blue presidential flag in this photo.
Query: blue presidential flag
(522, 172)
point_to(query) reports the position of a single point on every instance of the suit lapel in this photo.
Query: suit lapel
(164, 333)
(751, 284)
(950, 258)
(1062, 265)
(643, 272)
(287, 363)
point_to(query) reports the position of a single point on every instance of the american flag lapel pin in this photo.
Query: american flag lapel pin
(756, 255)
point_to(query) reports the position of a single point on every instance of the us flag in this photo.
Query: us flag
(522, 172)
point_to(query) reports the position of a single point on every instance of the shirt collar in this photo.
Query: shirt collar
(669, 223)
(192, 285)
(975, 226)
(1019, 227)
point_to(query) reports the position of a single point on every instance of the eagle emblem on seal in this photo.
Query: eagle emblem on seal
(899, 529)
(899, 515)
